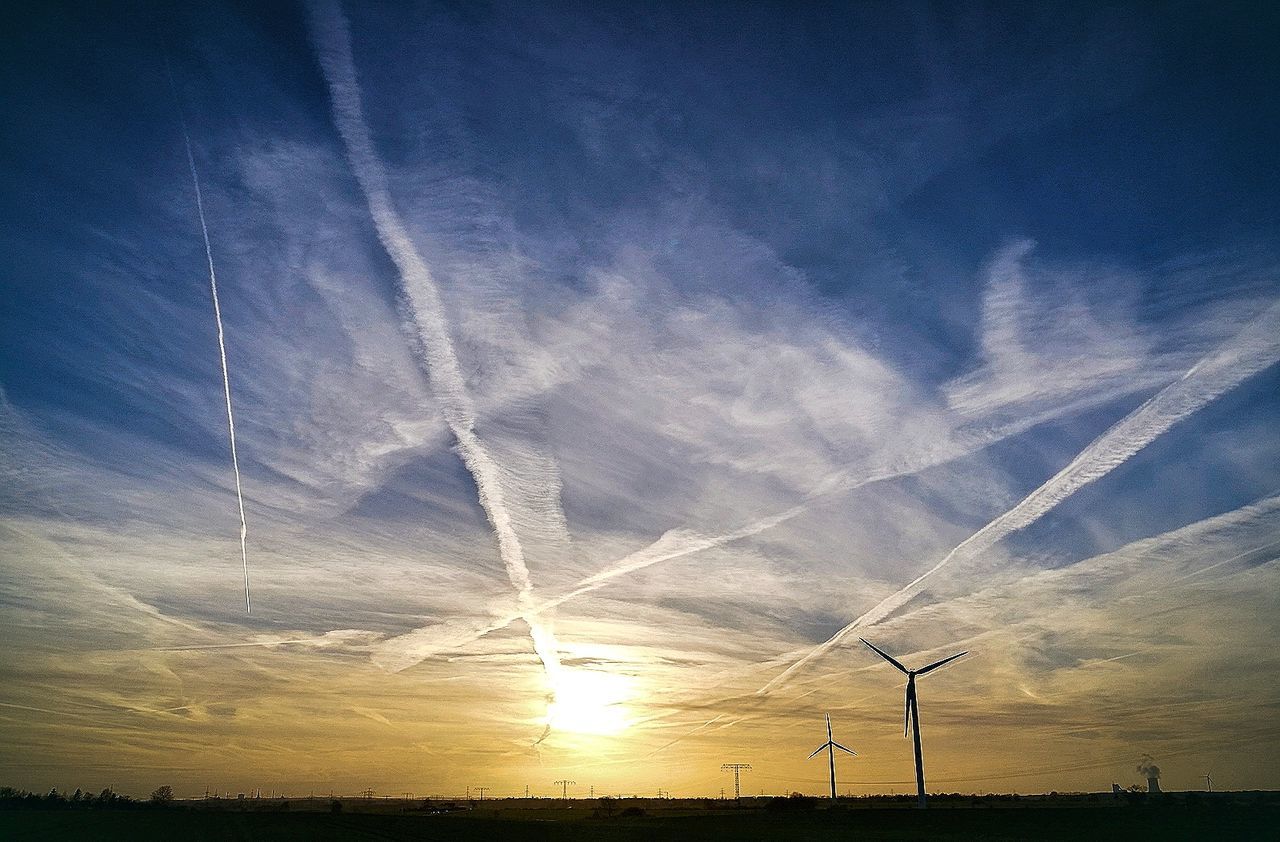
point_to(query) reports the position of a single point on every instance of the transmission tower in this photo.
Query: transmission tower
(564, 787)
(737, 769)
(482, 790)
(1208, 782)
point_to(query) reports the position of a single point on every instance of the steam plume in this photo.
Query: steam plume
(1255, 348)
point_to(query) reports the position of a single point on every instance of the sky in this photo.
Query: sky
(601, 373)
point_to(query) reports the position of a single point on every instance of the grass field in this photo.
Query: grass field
(1091, 823)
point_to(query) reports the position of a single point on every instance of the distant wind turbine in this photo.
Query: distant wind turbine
(912, 720)
(831, 745)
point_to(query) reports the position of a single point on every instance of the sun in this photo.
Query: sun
(590, 702)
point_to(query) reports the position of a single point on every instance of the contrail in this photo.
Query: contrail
(332, 39)
(412, 647)
(1255, 348)
(405, 650)
(222, 345)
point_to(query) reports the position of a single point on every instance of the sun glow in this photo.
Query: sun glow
(590, 702)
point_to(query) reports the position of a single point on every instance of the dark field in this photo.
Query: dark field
(1260, 820)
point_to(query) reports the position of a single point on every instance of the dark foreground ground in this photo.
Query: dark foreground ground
(1088, 823)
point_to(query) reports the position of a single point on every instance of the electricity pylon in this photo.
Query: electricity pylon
(482, 790)
(564, 788)
(736, 768)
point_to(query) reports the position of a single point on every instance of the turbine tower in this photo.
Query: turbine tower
(831, 745)
(912, 720)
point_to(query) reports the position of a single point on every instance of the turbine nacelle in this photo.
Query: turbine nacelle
(831, 743)
(911, 678)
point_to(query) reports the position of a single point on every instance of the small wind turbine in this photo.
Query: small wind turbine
(912, 720)
(831, 745)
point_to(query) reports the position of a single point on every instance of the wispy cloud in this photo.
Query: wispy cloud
(1255, 348)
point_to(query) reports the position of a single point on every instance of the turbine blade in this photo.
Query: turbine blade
(937, 664)
(842, 748)
(885, 655)
(815, 752)
(906, 716)
(828, 727)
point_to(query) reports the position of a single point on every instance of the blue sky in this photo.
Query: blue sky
(757, 314)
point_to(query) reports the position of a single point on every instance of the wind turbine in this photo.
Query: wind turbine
(912, 720)
(831, 745)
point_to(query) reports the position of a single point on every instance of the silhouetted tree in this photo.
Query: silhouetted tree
(162, 795)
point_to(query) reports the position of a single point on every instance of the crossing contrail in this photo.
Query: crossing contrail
(1255, 348)
(332, 40)
(412, 647)
(222, 344)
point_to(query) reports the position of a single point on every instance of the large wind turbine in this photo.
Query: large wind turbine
(913, 710)
(831, 745)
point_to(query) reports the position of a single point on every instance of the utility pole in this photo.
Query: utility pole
(482, 790)
(736, 768)
(1208, 782)
(721, 793)
(564, 788)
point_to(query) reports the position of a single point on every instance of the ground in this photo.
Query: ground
(1260, 820)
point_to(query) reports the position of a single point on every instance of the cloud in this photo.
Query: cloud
(1254, 349)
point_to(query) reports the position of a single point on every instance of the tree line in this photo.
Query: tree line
(11, 799)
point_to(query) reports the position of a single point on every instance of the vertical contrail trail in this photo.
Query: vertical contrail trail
(332, 39)
(1255, 348)
(222, 345)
